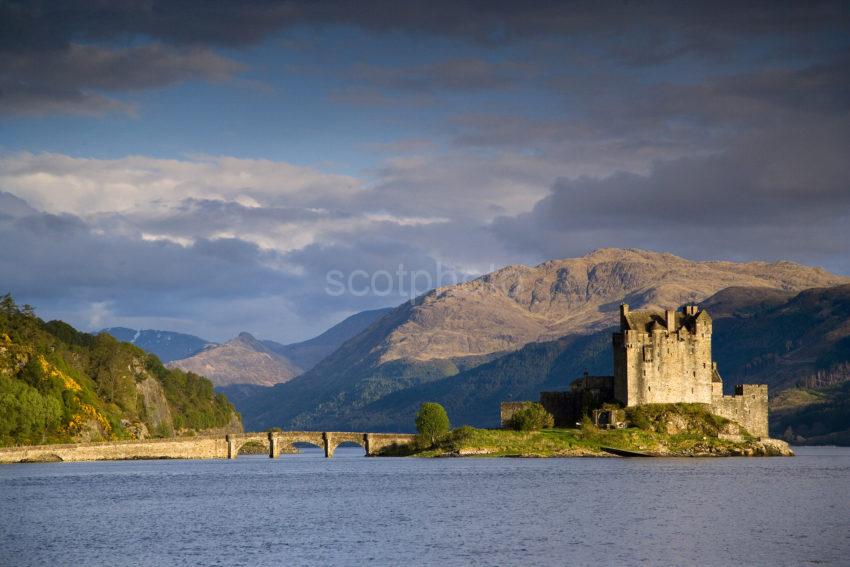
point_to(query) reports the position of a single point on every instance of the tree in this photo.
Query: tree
(531, 418)
(432, 422)
(7, 305)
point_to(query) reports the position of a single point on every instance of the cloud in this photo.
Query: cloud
(71, 57)
(451, 75)
(73, 80)
(183, 241)
(705, 130)
(60, 183)
(779, 195)
(63, 263)
(12, 206)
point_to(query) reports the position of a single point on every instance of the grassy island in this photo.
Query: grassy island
(660, 430)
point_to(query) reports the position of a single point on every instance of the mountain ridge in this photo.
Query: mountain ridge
(166, 345)
(559, 297)
(245, 360)
(241, 360)
(452, 329)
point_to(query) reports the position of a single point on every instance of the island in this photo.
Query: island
(657, 430)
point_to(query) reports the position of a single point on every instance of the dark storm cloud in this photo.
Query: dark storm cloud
(667, 28)
(71, 80)
(79, 39)
(781, 194)
(627, 124)
(764, 172)
(452, 74)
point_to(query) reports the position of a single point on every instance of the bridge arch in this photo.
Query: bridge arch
(235, 442)
(335, 439)
(254, 447)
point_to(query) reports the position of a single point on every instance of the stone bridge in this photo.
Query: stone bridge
(201, 447)
(279, 442)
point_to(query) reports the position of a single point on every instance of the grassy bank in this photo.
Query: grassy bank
(679, 430)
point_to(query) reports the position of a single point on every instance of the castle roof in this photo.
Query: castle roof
(643, 320)
(646, 321)
(715, 376)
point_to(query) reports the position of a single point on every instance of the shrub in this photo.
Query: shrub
(432, 422)
(532, 417)
(457, 438)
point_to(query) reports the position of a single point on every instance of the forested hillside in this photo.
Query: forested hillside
(60, 385)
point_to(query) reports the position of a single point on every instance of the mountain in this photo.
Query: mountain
(801, 349)
(516, 305)
(166, 345)
(237, 365)
(242, 360)
(815, 414)
(308, 353)
(61, 385)
(781, 345)
(453, 329)
(473, 396)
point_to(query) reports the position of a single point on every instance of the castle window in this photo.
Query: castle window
(695, 373)
(647, 354)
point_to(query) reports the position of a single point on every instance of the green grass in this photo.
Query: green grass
(796, 398)
(664, 430)
(570, 443)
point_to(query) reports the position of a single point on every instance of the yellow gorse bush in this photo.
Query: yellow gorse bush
(49, 370)
(78, 421)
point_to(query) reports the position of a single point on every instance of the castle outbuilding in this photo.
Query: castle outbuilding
(661, 358)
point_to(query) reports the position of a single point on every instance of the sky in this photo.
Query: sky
(274, 167)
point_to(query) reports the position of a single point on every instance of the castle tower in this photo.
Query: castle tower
(664, 357)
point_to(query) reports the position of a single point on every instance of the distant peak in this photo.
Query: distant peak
(247, 336)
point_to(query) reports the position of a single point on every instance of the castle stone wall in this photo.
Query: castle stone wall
(748, 407)
(508, 409)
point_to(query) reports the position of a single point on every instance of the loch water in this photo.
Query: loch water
(350, 510)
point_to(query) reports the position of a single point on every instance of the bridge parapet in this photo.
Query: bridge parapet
(201, 447)
(377, 441)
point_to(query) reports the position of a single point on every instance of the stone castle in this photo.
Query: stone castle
(660, 358)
